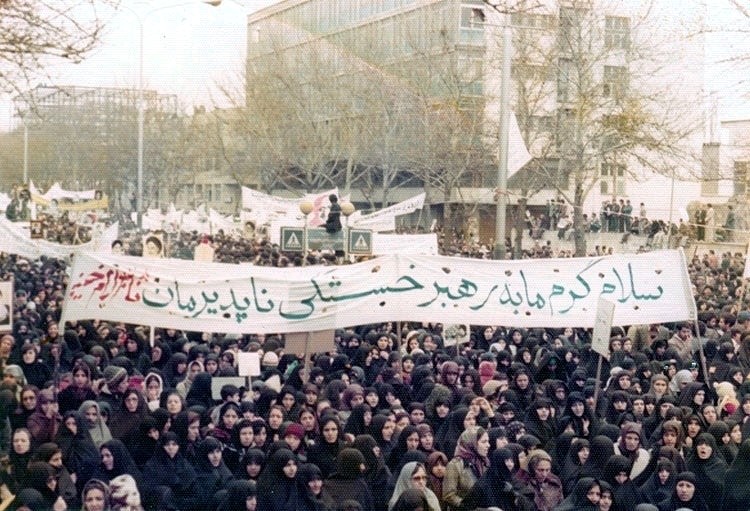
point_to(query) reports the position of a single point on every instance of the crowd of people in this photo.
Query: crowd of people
(620, 216)
(93, 417)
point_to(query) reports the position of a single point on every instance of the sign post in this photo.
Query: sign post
(605, 310)
(360, 242)
(300, 239)
(292, 239)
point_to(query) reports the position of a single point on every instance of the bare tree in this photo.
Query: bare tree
(35, 32)
(583, 78)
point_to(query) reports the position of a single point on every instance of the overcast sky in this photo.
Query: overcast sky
(188, 48)
(191, 47)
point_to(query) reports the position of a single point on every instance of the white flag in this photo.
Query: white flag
(518, 155)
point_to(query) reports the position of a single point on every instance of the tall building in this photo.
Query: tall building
(86, 137)
(578, 66)
(103, 110)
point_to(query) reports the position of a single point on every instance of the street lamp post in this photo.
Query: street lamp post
(347, 208)
(141, 18)
(502, 164)
(306, 207)
(501, 179)
(25, 152)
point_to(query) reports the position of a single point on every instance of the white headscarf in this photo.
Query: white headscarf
(404, 483)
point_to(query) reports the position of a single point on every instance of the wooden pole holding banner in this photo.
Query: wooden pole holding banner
(398, 337)
(307, 362)
(700, 351)
(151, 335)
(605, 311)
(745, 277)
(598, 379)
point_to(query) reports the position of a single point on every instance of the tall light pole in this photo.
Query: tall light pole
(25, 152)
(306, 207)
(501, 179)
(141, 113)
(502, 163)
(347, 209)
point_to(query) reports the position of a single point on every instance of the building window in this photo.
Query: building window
(740, 177)
(615, 174)
(534, 21)
(565, 130)
(535, 73)
(471, 75)
(542, 123)
(564, 80)
(617, 32)
(615, 82)
(571, 27)
(609, 170)
(472, 24)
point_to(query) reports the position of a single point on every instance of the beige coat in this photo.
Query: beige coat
(459, 479)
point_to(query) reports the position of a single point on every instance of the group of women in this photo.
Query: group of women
(94, 418)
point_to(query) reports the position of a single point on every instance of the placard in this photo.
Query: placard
(603, 327)
(6, 306)
(36, 229)
(217, 382)
(305, 343)
(248, 364)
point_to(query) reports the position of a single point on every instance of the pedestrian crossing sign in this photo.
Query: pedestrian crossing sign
(292, 239)
(360, 241)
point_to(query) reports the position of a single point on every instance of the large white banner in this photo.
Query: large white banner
(199, 220)
(414, 244)
(388, 214)
(56, 192)
(265, 208)
(646, 288)
(15, 239)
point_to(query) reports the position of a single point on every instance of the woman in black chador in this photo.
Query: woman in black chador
(333, 222)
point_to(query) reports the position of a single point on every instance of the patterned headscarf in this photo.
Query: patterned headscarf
(466, 449)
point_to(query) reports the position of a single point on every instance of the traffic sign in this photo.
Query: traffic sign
(360, 241)
(292, 239)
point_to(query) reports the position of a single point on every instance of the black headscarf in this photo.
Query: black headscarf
(737, 488)
(323, 454)
(80, 455)
(237, 494)
(578, 498)
(200, 391)
(493, 488)
(123, 424)
(252, 456)
(601, 450)
(210, 479)
(275, 489)
(709, 473)
(123, 464)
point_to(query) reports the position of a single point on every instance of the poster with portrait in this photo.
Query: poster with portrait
(153, 245)
(6, 306)
(455, 334)
(248, 230)
(204, 252)
(36, 230)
